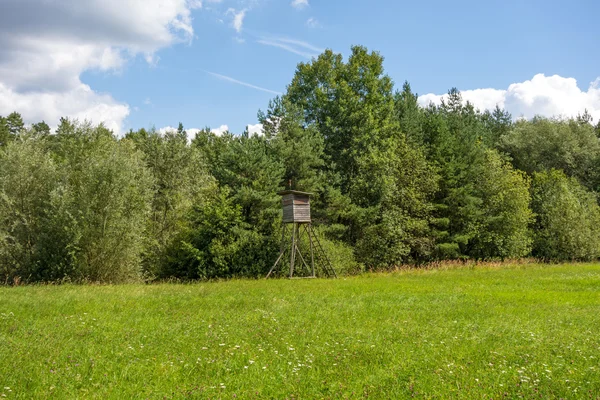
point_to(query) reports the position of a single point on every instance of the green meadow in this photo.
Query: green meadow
(527, 331)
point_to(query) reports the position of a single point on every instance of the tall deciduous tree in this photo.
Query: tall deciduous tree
(180, 183)
(109, 192)
(503, 230)
(351, 104)
(567, 225)
(27, 178)
(543, 144)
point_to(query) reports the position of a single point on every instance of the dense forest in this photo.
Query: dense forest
(395, 183)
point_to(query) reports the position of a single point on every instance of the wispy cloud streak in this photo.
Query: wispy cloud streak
(237, 82)
(298, 47)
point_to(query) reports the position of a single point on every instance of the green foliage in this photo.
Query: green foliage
(543, 144)
(567, 225)
(10, 127)
(41, 129)
(78, 211)
(352, 106)
(248, 168)
(499, 124)
(503, 228)
(482, 207)
(236, 231)
(180, 183)
(409, 114)
(300, 149)
(107, 195)
(5, 135)
(393, 183)
(398, 229)
(28, 177)
(220, 244)
(373, 173)
(111, 203)
(15, 123)
(452, 137)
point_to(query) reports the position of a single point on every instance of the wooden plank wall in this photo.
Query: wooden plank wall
(296, 208)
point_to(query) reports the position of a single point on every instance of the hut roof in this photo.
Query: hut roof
(284, 192)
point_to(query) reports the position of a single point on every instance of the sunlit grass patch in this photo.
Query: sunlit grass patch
(527, 331)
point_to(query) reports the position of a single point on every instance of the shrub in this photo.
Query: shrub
(567, 224)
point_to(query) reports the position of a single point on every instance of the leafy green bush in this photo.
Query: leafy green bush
(28, 177)
(73, 206)
(220, 244)
(503, 228)
(567, 224)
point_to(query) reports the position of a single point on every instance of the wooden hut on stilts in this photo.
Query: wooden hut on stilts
(299, 240)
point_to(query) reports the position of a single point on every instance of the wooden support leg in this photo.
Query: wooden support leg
(312, 250)
(293, 255)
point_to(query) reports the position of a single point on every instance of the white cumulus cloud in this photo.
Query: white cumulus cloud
(220, 130)
(45, 46)
(79, 102)
(256, 129)
(542, 95)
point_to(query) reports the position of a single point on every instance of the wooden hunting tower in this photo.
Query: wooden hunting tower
(296, 213)
(296, 206)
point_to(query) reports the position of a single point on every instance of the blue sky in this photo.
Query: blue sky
(435, 45)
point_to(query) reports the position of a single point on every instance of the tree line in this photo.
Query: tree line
(394, 183)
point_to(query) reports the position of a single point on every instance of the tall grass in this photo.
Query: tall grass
(480, 332)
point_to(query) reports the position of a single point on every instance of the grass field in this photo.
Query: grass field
(529, 331)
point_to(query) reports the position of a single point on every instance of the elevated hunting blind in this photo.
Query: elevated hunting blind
(296, 206)
(301, 239)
